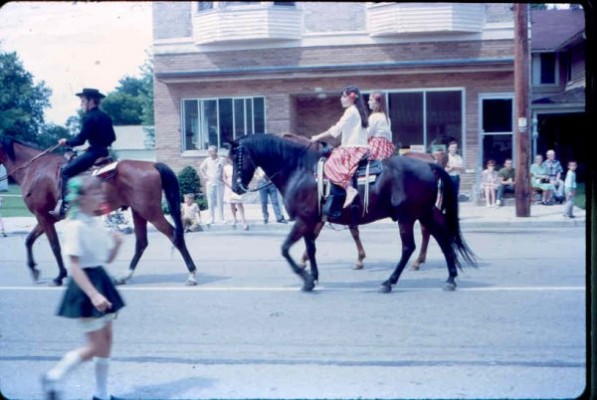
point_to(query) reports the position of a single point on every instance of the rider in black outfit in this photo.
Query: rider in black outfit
(96, 129)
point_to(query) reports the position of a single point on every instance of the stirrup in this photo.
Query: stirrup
(60, 211)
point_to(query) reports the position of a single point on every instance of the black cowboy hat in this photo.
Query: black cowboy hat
(91, 93)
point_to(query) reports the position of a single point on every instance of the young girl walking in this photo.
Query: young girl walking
(90, 297)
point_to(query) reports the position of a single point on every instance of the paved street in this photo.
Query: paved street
(515, 327)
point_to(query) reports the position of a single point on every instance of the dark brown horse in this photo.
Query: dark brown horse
(354, 229)
(137, 184)
(405, 191)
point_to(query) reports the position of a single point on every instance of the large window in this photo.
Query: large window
(215, 121)
(420, 117)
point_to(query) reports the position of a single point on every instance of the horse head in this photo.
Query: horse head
(243, 166)
(7, 151)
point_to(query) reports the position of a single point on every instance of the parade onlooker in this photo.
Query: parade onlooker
(490, 182)
(554, 171)
(91, 296)
(455, 165)
(268, 190)
(507, 177)
(191, 215)
(211, 173)
(540, 180)
(234, 200)
(570, 189)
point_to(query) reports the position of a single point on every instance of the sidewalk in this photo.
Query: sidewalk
(471, 216)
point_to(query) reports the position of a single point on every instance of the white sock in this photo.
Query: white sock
(101, 377)
(69, 362)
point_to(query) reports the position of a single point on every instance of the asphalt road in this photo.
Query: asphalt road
(514, 328)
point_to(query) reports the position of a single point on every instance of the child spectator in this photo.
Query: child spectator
(191, 215)
(507, 177)
(490, 182)
(570, 189)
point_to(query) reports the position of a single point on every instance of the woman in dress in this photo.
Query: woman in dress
(344, 160)
(90, 296)
(540, 180)
(379, 133)
(235, 200)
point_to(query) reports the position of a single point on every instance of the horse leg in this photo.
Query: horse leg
(52, 236)
(354, 231)
(436, 227)
(305, 256)
(310, 243)
(423, 252)
(140, 227)
(296, 233)
(408, 247)
(164, 226)
(31, 238)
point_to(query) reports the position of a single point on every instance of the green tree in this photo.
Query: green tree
(123, 108)
(22, 102)
(51, 134)
(189, 182)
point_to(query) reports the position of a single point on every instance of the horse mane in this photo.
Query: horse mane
(296, 150)
(8, 145)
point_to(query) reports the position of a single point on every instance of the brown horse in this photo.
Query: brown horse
(136, 184)
(406, 190)
(354, 229)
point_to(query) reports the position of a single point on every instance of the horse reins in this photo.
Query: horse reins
(28, 163)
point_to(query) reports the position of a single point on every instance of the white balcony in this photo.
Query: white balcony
(261, 23)
(391, 19)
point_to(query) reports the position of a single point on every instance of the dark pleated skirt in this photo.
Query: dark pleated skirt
(76, 304)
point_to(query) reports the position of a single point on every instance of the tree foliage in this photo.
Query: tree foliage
(22, 102)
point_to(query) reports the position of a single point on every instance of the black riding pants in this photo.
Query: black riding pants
(80, 164)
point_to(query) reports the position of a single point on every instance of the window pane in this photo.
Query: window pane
(209, 123)
(284, 3)
(406, 115)
(444, 115)
(497, 148)
(259, 114)
(548, 68)
(249, 115)
(206, 5)
(497, 115)
(226, 122)
(191, 125)
(239, 118)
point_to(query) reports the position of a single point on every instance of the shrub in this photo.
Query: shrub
(189, 182)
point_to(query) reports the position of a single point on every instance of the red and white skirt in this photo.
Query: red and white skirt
(381, 148)
(342, 164)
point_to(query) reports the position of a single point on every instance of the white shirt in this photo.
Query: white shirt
(87, 239)
(454, 161)
(349, 126)
(212, 170)
(379, 126)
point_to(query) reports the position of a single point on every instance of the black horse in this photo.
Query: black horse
(406, 191)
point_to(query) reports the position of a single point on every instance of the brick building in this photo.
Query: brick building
(226, 69)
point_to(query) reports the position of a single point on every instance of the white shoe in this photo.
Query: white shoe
(351, 193)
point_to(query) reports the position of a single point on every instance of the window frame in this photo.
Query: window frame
(537, 64)
(200, 101)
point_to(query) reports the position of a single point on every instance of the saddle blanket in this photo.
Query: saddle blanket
(107, 171)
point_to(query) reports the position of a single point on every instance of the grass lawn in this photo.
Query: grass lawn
(12, 203)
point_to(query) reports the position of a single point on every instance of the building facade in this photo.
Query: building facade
(227, 69)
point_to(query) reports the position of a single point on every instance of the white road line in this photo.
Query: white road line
(318, 288)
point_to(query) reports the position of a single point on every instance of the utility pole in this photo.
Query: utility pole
(522, 91)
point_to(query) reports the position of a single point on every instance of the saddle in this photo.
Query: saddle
(104, 168)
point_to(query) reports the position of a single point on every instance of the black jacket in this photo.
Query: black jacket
(97, 129)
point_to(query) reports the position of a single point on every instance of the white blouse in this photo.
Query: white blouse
(379, 126)
(87, 239)
(349, 126)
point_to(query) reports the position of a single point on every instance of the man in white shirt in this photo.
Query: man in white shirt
(211, 172)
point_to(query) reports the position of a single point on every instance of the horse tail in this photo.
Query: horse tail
(449, 207)
(172, 192)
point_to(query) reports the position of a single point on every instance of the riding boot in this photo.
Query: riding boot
(62, 205)
(332, 208)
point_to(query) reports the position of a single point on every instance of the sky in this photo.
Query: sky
(72, 45)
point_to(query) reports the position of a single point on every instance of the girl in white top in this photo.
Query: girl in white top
(343, 162)
(490, 182)
(379, 132)
(191, 215)
(90, 297)
(235, 200)
(455, 164)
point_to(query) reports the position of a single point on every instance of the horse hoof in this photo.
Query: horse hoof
(56, 282)
(191, 282)
(120, 281)
(35, 275)
(449, 287)
(385, 288)
(358, 266)
(308, 285)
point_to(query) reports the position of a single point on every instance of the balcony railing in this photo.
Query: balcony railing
(262, 23)
(387, 19)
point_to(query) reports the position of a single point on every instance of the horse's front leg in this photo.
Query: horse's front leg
(296, 233)
(423, 252)
(354, 231)
(52, 236)
(141, 243)
(36, 232)
(408, 247)
(305, 256)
